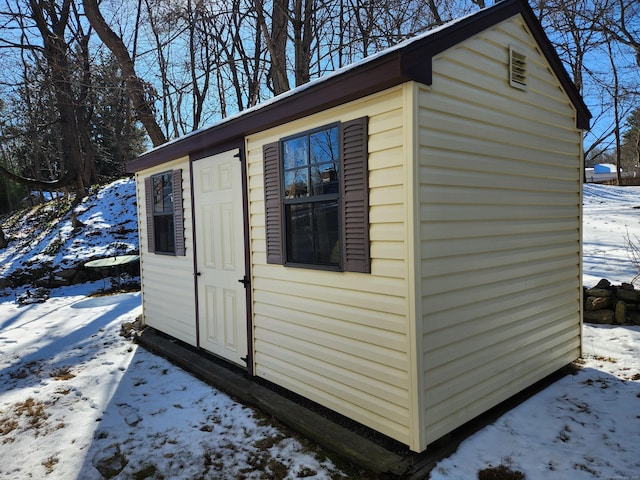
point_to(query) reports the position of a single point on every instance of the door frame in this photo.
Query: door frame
(238, 145)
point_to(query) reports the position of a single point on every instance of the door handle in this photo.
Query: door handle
(245, 281)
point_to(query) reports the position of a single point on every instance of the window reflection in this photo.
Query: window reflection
(163, 221)
(311, 164)
(162, 193)
(311, 172)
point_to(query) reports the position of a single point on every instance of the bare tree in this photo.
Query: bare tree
(52, 22)
(625, 26)
(136, 89)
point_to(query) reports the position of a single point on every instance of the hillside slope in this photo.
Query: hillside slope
(46, 239)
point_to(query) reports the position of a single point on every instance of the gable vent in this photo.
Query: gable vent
(517, 69)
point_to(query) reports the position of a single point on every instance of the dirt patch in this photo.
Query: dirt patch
(29, 369)
(7, 425)
(34, 411)
(49, 464)
(62, 373)
(501, 472)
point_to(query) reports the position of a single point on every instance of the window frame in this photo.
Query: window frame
(176, 213)
(311, 199)
(167, 214)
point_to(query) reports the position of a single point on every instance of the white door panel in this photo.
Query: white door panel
(222, 317)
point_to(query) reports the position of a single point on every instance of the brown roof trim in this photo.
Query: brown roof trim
(373, 77)
(411, 61)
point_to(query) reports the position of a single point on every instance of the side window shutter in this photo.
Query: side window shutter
(178, 214)
(355, 204)
(272, 202)
(148, 195)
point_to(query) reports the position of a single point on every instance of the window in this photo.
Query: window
(163, 230)
(165, 226)
(311, 164)
(316, 198)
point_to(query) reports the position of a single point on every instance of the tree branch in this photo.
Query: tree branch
(134, 86)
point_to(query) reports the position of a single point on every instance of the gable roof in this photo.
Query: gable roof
(409, 60)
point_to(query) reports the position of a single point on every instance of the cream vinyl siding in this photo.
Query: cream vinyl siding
(341, 338)
(168, 296)
(499, 211)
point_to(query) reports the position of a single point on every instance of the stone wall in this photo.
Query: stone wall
(612, 304)
(44, 275)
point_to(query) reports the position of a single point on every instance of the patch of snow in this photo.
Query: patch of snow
(110, 227)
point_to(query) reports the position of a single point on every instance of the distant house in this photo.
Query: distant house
(601, 172)
(398, 241)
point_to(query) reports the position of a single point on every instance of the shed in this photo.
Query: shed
(398, 241)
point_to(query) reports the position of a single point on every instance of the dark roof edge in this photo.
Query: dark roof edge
(414, 54)
(387, 69)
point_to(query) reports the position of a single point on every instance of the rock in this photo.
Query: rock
(599, 316)
(39, 295)
(627, 286)
(598, 292)
(67, 273)
(634, 317)
(110, 462)
(621, 312)
(628, 295)
(597, 303)
(4, 283)
(53, 281)
(80, 277)
(604, 283)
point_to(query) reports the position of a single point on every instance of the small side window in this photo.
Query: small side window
(165, 226)
(163, 213)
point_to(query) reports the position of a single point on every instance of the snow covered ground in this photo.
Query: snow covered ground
(79, 401)
(611, 215)
(109, 222)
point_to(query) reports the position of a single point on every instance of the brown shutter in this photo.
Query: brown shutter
(273, 202)
(355, 204)
(178, 214)
(148, 198)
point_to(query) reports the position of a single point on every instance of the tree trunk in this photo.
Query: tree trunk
(134, 85)
(3, 239)
(302, 40)
(55, 51)
(276, 43)
(433, 8)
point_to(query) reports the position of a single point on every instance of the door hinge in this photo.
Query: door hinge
(245, 281)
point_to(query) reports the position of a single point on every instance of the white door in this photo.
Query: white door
(222, 317)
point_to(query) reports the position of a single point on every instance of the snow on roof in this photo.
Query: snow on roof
(604, 168)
